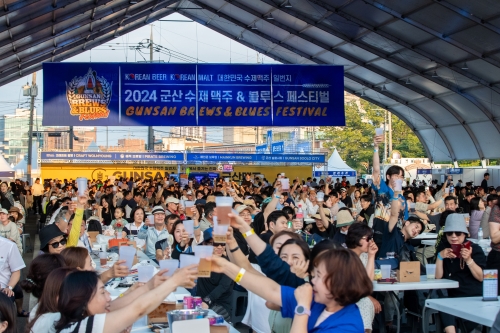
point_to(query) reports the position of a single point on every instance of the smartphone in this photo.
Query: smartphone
(452, 188)
(456, 248)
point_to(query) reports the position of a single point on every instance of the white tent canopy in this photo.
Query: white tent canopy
(5, 169)
(21, 168)
(336, 167)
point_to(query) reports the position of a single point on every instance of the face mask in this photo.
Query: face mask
(343, 232)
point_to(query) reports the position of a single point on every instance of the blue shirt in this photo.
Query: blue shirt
(347, 320)
(385, 191)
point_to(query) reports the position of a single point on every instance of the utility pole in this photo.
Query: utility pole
(71, 137)
(151, 144)
(389, 115)
(385, 136)
(33, 92)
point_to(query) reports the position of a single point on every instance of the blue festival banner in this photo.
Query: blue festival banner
(146, 94)
(262, 149)
(455, 171)
(226, 157)
(424, 171)
(339, 174)
(278, 147)
(98, 156)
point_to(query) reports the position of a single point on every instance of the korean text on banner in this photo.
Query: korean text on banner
(131, 94)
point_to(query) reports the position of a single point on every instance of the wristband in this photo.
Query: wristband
(277, 196)
(249, 233)
(439, 256)
(235, 249)
(375, 150)
(238, 277)
(470, 262)
(197, 227)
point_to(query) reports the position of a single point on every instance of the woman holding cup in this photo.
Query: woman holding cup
(131, 230)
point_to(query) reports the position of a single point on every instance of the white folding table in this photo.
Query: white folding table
(427, 235)
(469, 308)
(424, 284)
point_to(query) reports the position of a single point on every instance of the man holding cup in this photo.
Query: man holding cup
(153, 232)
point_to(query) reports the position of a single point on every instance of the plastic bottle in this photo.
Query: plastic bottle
(480, 234)
(300, 213)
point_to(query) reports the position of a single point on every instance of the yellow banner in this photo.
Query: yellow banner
(103, 171)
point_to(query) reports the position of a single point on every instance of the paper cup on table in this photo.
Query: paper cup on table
(81, 183)
(224, 207)
(145, 273)
(285, 184)
(379, 131)
(127, 253)
(386, 271)
(188, 205)
(202, 252)
(187, 259)
(320, 196)
(189, 226)
(430, 270)
(171, 265)
(219, 233)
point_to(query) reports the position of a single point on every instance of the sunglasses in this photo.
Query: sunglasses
(457, 233)
(55, 245)
(217, 244)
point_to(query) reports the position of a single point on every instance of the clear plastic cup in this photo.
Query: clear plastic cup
(81, 183)
(189, 226)
(226, 180)
(430, 271)
(145, 273)
(224, 207)
(103, 258)
(285, 184)
(119, 234)
(320, 196)
(203, 251)
(220, 233)
(187, 259)
(187, 205)
(151, 219)
(398, 185)
(386, 271)
(127, 253)
(379, 131)
(171, 265)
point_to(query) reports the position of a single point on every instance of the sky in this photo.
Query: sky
(186, 40)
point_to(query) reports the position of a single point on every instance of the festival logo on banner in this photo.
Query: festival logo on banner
(89, 96)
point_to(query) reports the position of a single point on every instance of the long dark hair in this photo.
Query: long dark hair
(76, 292)
(48, 302)
(109, 200)
(173, 234)
(474, 203)
(8, 313)
(39, 270)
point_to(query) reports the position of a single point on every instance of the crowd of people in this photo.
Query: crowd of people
(306, 253)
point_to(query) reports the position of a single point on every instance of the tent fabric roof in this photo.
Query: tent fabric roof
(4, 165)
(433, 63)
(336, 163)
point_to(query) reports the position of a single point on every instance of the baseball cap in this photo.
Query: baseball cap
(4, 211)
(172, 200)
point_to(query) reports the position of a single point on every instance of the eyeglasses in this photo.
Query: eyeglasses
(457, 233)
(55, 245)
(368, 238)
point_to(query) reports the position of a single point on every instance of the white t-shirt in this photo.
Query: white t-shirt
(46, 322)
(10, 260)
(322, 317)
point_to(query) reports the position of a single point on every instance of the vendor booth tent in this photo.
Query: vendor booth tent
(336, 168)
(5, 169)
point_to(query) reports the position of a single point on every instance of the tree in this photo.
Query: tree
(354, 141)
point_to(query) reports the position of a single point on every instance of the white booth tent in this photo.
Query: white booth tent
(6, 170)
(337, 168)
(21, 168)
